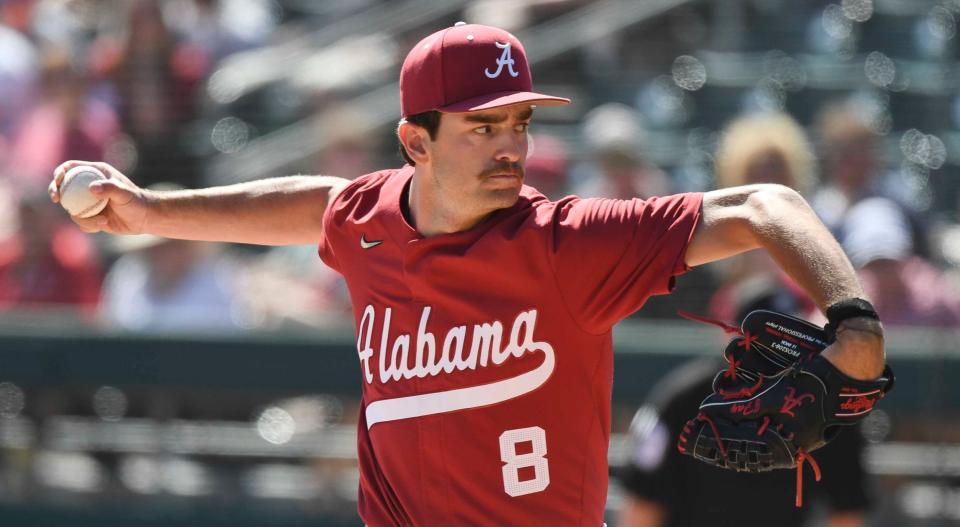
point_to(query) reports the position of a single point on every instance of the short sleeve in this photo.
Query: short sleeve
(325, 248)
(335, 216)
(610, 255)
(358, 202)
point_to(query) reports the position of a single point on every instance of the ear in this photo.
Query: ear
(416, 141)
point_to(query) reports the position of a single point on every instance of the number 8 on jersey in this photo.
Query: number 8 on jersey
(513, 462)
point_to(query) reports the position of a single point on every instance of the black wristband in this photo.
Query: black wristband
(846, 309)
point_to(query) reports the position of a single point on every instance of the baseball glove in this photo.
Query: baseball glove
(778, 400)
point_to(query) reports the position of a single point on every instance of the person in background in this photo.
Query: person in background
(349, 149)
(217, 28)
(171, 286)
(616, 167)
(904, 287)
(850, 154)
(547, 165)
(761, 148)
(18, 66)
(47, 262)
(285, 288)
(157, 77)
(65, 122)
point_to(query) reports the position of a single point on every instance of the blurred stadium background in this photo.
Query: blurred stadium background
(149, 382)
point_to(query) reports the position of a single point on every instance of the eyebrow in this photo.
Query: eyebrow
(493, 118)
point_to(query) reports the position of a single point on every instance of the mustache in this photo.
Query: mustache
(513, 169)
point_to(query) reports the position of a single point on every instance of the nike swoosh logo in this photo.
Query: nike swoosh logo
(368, 245)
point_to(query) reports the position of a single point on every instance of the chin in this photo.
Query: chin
(503, 198)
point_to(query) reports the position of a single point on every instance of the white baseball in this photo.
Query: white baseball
(75, 193)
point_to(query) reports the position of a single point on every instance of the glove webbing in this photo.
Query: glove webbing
(802, 455)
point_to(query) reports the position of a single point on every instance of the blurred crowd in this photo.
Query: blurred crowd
(126, 82)
(122, 82)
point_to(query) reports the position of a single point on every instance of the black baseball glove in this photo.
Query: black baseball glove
(778, 400)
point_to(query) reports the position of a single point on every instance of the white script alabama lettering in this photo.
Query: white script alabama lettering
(486, 349)
(505, 60)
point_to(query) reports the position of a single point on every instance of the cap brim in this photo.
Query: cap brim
(498, 99)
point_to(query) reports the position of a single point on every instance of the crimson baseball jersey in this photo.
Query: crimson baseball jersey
(485, 355)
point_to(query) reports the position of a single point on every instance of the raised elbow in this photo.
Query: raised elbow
(779, 194)
(770, 202)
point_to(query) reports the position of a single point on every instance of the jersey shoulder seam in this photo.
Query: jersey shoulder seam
(556, 279)
(557, 283)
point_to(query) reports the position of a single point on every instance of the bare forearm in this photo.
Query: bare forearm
(780, 221)
(276, 211)
(802, 246)
(788, 229)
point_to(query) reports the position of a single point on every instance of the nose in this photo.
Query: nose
(510, 148)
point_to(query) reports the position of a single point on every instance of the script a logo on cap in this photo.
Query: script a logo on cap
(505, 60)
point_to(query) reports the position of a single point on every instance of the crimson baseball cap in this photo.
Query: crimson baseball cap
(465, 68)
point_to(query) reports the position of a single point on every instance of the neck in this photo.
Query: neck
(430, 213)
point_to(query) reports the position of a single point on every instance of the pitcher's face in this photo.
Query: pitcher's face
(477, 158)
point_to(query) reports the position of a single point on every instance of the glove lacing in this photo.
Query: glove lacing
(802, 456)
(732, 363)
(731, 373)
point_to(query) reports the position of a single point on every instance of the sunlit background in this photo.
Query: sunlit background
(154, 382)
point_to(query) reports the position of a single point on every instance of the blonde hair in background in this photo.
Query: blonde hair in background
(746, 139)
(841, 122)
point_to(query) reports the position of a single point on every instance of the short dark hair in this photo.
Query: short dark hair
(429, 121)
